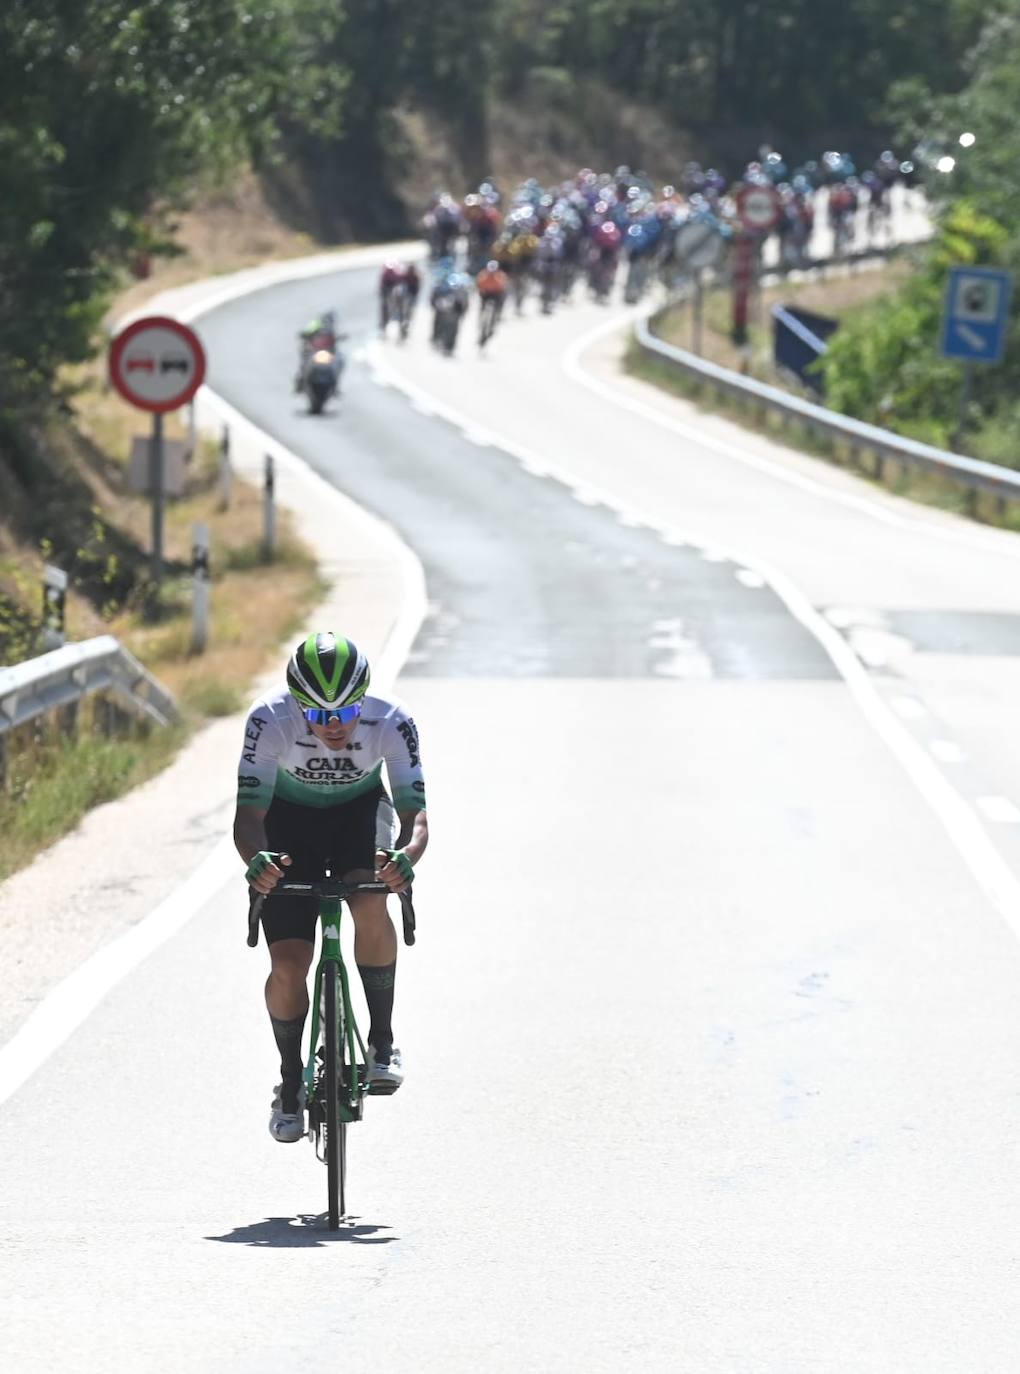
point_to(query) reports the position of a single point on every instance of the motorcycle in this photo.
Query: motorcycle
(320, 380)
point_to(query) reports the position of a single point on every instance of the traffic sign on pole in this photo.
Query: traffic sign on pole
(698, 244)
(975, 315)
(157, 364)
(758, 208)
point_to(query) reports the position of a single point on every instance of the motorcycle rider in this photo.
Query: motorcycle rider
(320, 333)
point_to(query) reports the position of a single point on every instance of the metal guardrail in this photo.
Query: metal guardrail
(970, 473)
(64, 676)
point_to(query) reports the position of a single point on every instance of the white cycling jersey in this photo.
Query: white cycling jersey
(283, 758)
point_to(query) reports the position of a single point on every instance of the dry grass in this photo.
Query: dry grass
(226, 229)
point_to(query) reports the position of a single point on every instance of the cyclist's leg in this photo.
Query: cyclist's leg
(289, 924)
(359, 827)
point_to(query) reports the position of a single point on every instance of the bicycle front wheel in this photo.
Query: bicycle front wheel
(336, 1129)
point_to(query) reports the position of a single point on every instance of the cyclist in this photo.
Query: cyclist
(310, 788)
(402, 276)
(492, 284)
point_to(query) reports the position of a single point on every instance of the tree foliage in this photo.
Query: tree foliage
(883, 365)
(107, 110)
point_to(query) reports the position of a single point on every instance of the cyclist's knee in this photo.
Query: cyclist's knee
(291, 960)
(368, 908)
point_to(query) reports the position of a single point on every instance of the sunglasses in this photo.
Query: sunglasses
(344, 714)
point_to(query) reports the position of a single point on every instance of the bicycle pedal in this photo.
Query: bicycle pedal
(381, 1089)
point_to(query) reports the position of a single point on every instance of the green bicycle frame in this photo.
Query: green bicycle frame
(330, 909)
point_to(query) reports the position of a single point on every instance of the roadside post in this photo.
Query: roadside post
(226, 471)
(758, 208)
(157, 365)
(200, 588)
(698, 246)
(269, 510)
(974, 321)
(54, 599)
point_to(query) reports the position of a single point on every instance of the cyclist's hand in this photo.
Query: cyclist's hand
(394, 868)
(266, 870)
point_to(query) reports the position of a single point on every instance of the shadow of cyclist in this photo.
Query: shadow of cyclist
(303, 1232)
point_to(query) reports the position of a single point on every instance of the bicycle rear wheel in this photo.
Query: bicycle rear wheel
(335, 1128)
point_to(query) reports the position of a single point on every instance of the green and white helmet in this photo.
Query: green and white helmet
(326, 671)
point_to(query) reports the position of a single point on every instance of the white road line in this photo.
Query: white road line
(946, 751)
(749, 577)
(869, 506)
(998, 809)
(63, 1009)
(957, 816)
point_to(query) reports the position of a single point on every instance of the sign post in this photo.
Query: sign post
(758, 208)
(269, 510)
(974, 326)
(157, 364)
(54, 599)
(200, 588)
(698, 245)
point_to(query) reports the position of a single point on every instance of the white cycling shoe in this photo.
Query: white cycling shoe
(384, 1071)
(287, 1127)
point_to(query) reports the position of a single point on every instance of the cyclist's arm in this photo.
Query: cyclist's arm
(414, 834)
(249, 832)
(250, 840)
(395, 866)
(402, 753)
(256, 777)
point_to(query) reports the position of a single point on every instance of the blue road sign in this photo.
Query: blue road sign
(976, 310)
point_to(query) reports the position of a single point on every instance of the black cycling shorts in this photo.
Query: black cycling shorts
(343, 838)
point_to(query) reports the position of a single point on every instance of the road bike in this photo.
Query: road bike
(488, 315)
(334, 1073)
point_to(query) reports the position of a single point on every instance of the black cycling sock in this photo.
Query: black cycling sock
(378, 985)
(288, 1039)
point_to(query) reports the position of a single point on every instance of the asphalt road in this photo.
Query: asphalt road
(711, 1032)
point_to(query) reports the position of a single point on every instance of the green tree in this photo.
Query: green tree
(883, 364)
(107, 111)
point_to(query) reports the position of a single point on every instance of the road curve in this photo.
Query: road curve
(708, 1022)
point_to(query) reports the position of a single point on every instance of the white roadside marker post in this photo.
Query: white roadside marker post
(269, 511)
(199, 588)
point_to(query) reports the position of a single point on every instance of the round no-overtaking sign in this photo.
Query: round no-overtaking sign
(157, 363)
(758, 207)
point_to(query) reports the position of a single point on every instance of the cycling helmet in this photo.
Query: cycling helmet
(326, 671)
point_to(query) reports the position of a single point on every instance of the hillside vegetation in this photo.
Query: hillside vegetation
(884, 364)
